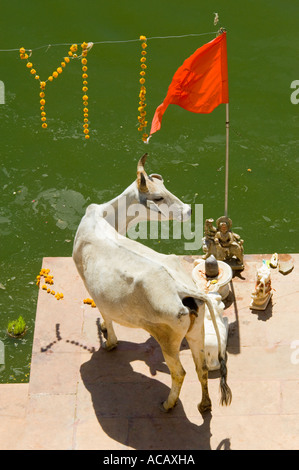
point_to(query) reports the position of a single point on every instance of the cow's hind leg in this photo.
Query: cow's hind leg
(170, 343)
(195, 340)
(111, 339)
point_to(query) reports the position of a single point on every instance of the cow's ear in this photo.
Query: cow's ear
(141, 182)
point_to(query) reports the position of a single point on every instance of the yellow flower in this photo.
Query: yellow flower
(87, 136)
(84, 45)
(84, 68)
(84, 61)
(29, 65)
(42, 94)
(66, 59)
(55, 74)
(143, 45)
(42, 84)
(33, 71)
(42, 102)
(22, 50)
(44, 125)
(86, 131)
(85, 97)
(59, 70)
(62, 64)
(85, 88)
(44, 287)
(74, 48)
(142, 80)
(50, 78)
(142, 38)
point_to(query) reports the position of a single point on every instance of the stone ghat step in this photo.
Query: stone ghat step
(82, 397)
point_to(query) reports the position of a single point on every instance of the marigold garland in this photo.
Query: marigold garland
(89, 302)
(48, 279)
(142, 97)
(72, 54)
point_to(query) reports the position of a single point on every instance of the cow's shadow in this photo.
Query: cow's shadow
(126, 402)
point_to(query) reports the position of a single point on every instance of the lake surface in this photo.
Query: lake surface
(48, 177)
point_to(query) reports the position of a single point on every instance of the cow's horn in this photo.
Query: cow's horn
(141, 175)
(141, 163)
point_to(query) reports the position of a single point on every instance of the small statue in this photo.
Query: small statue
(224, 244)
(263, 290)
(208, 246)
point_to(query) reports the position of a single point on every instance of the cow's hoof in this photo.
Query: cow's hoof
(110, 347)
(204, 407)
(162, 408)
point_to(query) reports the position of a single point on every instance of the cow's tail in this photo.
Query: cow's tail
(226, 394)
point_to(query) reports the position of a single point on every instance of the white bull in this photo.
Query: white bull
(135, 286)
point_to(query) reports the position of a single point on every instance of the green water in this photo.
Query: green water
(47, 177)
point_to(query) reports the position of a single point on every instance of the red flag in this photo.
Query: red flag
(200, 84)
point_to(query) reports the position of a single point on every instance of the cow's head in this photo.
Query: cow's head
(156, 198)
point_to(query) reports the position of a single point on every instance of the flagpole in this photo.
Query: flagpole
(226, 159)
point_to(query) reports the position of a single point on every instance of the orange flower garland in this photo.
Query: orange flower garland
(72, 54)
(48, 280)
(142, 97)
(84, 47)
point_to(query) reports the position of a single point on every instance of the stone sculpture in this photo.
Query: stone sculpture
(223, 243)
(263, 290)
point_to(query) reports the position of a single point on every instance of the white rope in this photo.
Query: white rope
(112, 42)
